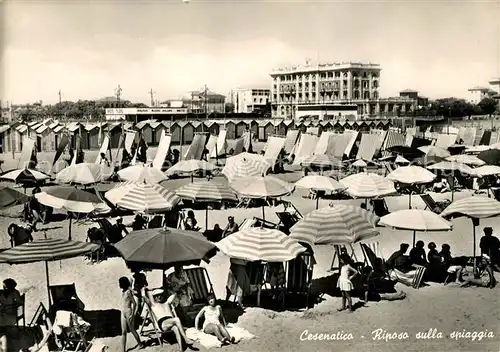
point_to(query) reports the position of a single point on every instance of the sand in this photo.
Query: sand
(446, 308)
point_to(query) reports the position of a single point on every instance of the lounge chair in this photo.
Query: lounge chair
(19, 235)
(287, 220)
(42, 326)
(380, 207)
(496, 193)
(156, 222)
(413, 278)
(64, 297)
(299, 277)
(432, 205)
(376, 263)
(73, 337)
(149, 319)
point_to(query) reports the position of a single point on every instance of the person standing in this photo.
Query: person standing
(347, 273)
(490, 245)
(129, 311)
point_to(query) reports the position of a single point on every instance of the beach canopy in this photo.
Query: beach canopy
(207, 191)
(411, 175)
(245, 166)
(487, 170)
(475, 207)
(261, 187)
(433, 151)
(10, 197)
(71, 199)
(260, 244)
(401, 160)
(490, 156)
(339, 225)
(406, 151)
(322, 161)
(24, 176)
(452, 166)
(83, 174)
(467, 159)
(141, 173)
(318, 182)
(162, 248)
(189, 167)
(142, 197)
(368, 185)
(41, 250)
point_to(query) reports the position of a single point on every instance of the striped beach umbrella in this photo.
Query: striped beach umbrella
(142, 197)
(24, 176)
(260, 244)
(368, 185)
(190, 167)
(245, 167)
(261, 187)
(475, 208)
(321, 183)
(207, 191)
(337, 225)
(83, 174)
(45, 250)
(141, 173)
(415, 220)
(411, 175)
(321, 160)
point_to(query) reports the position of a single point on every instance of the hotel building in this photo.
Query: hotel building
(249, 100)
(332, 90)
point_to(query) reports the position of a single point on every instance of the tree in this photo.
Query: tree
(451, 107)
(488, 106)
(229, 108)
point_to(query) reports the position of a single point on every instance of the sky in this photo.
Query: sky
(86, 48)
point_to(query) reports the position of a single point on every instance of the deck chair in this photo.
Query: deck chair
(380, 207)
(496, 193)
(202, 287)
(155, 222)
(42, 325)
(376, 263)
(299, 277)
(149, 319)
(19, 235)
(60, 295)
(432, 205)
(73, 338)
(413, 278)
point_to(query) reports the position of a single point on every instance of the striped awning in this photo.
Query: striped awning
(142, 197)
(393, 139)
(260, 244)
(367, 146)
(261, 187)
(211, 191)
(474, 207)
(368, 185)
(340, 224)
(46, 250)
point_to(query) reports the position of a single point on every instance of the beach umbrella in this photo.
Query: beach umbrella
(466, 159)
(71, 199)
(245, 167)
(190, 167)
(45, 250)
(406, 151)
(10, 197)
(368, 185)
(434, 151)
(162, 248)
(321, 161)
(490, 156)
(260, 244)
(207, 191)
(478, 149)
(476, 208)
(83, 174)
(360, 163)
(411, 175)
(142, 197)
(141, 173)
(261, 187)
(24, 176)
(401, 160)
(415, 220)
(338, 225)
(320, 183)
(487, 170)
(453, 166)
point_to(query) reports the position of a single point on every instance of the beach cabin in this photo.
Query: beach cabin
(198, 126)
(176, 131)
(4, 138)
(187, 132)
(266, 129)
(230, 127)
(212, 127)
(91, 140)
(45, 139)
(254, 127)
(241, 127)
(157, 128)
(144, 128)
(115, 133)
(325, 125)
(280, 127)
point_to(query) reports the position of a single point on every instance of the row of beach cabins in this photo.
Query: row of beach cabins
(48, 132)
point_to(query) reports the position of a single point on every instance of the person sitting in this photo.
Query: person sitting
(35, 208)
(104, 160)
(164, 315)
(19, 235)
(178, 283)
(212, 325)
(435, 263)
(190, 223)
(398, 260)
(116, 232)
(417, 254)
(10, 298)
(139, 223)
(441, 185)
(445, 255)
(490, 245)
(215, 234)
(230, 228)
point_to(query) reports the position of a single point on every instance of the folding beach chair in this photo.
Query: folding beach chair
(149, 319)
(156, 222)
(299, 277)
(379, 207)
(19, 235)
(432, 205)
(61, 294)
(376, 263)
(73, 338)
(202, 287)
(413, 278)
(42, 326)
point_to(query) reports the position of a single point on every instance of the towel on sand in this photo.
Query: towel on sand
(65, 319)
(210, 341)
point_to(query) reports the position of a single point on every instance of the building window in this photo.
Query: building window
(356, 83)
(337, 74)
(365, 74)
(344, 83)
(367, 95)
(344, 73)
(374, 74)
(375, 84)
(365, 84)
(330, 74)
(344, 95)
(375, 95)
(356, 94)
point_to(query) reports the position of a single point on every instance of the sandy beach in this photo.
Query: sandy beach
(449, 309)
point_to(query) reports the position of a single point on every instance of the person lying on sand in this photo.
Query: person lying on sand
(212, 324)
(166, 319)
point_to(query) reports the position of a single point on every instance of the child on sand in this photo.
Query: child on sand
(212, 324)
(129, 311)
(345, 285)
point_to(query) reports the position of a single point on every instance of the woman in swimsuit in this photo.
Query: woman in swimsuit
(129, 311)
(165, 318)
(212, 324)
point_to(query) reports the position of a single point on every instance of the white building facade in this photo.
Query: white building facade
(249, 100)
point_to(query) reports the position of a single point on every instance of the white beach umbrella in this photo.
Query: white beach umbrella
(487, 170)
(466, 159)
(368, 185)
(141, 173)
(320, 183)
(83, 174)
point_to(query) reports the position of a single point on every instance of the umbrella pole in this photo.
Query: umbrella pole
(263, 213)
(317, 202)
(206, 219)
(474, 249)
(69, 233)
(452, 187)
(414, 237)
(48, 282)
